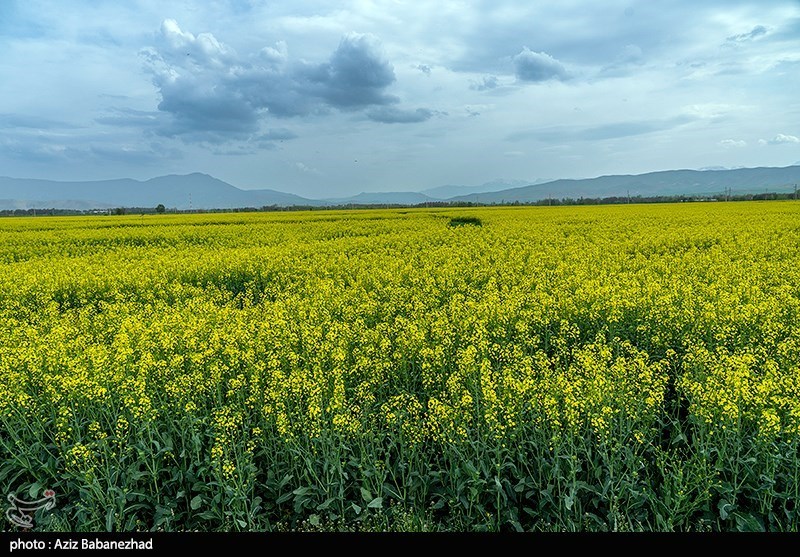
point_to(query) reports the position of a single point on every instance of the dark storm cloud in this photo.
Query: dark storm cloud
(394, 115)
(538, 66)
(211, 93)
(356, 75)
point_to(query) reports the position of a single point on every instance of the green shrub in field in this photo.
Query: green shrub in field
(462, 221)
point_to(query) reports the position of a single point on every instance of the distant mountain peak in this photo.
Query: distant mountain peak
(448, 191)
(202, 191)
(183, 191)
(652, 184)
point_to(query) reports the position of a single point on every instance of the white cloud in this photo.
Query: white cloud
(212, 94)
(537, 66)
(733, 143)
(485, 83)
(754, 33)
(302, 167)
(782, 138)
(275, 81)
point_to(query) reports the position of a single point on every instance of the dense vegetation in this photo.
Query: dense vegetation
(559, 368)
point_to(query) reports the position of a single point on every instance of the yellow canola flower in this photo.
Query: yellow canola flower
(350, 325)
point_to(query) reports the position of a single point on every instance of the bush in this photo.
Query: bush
(462, 221)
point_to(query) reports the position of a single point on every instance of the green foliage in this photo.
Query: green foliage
(465, 220)
(608, 369)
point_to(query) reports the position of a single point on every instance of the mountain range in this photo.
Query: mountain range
(190, 191)
(201, 191)
(740, 181)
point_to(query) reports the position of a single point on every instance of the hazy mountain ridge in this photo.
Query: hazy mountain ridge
(201, 191)
(198, 191)
(449, 191)
(383, 198)
(652, 184)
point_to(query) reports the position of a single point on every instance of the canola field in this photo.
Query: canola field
(536, 368)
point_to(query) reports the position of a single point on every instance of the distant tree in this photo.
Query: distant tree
(119, 211)
(160, 208)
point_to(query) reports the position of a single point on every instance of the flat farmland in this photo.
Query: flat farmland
(631, 367)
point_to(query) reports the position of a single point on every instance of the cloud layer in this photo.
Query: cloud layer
(288, 95)
(212, 93)
(783, 138)
(538, 66)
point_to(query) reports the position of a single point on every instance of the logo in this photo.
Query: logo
(21, 512)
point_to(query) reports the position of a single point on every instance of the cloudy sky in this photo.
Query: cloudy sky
(333, 98)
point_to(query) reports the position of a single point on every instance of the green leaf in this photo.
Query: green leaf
(725, 509)
(376, 503)
(110, 519)
(356, 508)
(366, 494)
(314, 520)
(196, 501)
(241, 523)
(34, 490)
(748, 523)
(391, 491)
(283, 498)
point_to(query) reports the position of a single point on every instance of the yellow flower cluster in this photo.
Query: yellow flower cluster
(294, 326)
(745, 388)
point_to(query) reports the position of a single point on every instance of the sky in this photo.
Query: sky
(326, 99)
